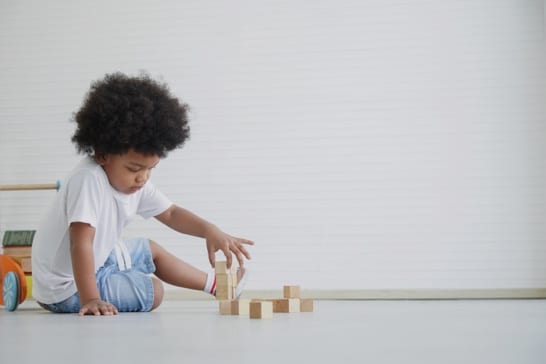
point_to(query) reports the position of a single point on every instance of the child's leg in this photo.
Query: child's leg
(174, 271)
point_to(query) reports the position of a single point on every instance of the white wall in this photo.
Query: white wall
(362, 144)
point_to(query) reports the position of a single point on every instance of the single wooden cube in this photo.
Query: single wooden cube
(224, 294)
(261, 309)
(291, 291)
(224, 287)
(234, 278)
(240, 307)
(26, 264)
(221, 267)
(223, 280)
(306, 305)
(225, 307)
(286, 305)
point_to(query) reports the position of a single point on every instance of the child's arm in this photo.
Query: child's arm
(83, 266)
(187, 222)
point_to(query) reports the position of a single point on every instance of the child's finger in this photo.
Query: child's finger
(108, 310)
(240, 259)
(246, 241)
(240, 252)
(244, 252)
(212, 258)
(228, 255)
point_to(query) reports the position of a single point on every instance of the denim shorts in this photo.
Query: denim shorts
(124, 280)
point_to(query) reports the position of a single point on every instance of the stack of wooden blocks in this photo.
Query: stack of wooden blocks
(226, 281)
(256, 308)
(290, 303)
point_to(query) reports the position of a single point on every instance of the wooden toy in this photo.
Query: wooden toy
(306, 305)
(240, 307)
(28, 278)
(16, 249)
(226, 281)
(235, 307)
(225, 307)
(15, 238)
(234, 279)
(28, 187)
(26, 265)
(286, 305)
(261, 310)
(291, 291)
(221, 267)
(224, 286)
(264, 308)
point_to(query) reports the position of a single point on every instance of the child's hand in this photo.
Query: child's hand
(98, 307)
(218, 240)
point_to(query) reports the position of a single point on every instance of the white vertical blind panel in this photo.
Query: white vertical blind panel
(363, 144)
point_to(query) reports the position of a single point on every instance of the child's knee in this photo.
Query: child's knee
(153, 246)
(155, 249)
(158, 292)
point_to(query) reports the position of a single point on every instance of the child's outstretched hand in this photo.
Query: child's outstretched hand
(98, 307)
(218, 240)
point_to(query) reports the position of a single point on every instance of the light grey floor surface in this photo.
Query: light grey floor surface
(475, 331)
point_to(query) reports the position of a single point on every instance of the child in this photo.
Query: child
(79, 262)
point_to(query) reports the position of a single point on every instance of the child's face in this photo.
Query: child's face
(128, 172)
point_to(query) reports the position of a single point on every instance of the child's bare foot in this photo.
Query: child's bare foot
(242, 275)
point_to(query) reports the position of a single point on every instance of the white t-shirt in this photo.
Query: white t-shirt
(86, 196)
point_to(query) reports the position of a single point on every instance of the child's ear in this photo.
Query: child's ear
(100, 158)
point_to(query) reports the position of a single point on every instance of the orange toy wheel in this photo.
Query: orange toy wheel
(8, 264)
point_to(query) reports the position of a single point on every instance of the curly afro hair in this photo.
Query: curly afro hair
(121, 113)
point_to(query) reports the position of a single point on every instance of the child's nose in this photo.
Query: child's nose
(142, 177)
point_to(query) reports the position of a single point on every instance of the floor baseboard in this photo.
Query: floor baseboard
(391, 294)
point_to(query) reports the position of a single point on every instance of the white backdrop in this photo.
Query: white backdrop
(362, 144)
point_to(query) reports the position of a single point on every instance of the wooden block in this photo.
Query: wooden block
(26, 264)
(224, 287)
(291, 291)
(240, 307)
(18, 237)
(221, 267)
(224, 280)
(28, 278)
(225, 307)
(234, 278)
(286, 305)
(17, 251)
(306, 305)
(224, 294)
(261, 309)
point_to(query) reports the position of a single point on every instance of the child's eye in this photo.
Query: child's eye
(133, 170)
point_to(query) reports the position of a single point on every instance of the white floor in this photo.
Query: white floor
(474, 331)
